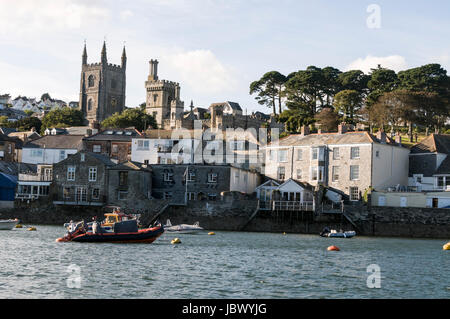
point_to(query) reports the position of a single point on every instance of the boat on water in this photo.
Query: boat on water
(183, 228)
(8, 224)
(116, 228)
(326, 232)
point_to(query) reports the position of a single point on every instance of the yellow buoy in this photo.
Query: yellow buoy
(211, 233)
(446, 246)
(284, 233)
(18, 226)
(176, 241)
(32, 229)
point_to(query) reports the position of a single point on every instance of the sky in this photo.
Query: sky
(213, 48)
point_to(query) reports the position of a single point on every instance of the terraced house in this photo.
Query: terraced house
(349, 162)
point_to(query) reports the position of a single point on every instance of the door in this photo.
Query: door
(81, 194)
(381, 201)
(435, 202)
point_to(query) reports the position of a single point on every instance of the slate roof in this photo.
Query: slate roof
(7, 130)
(57, 142)
(359, 137)
(444, 168)
(129, 165)
(435, 143)
(112, 134)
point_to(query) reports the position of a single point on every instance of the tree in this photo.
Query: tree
(269, 89)
(381, 81)
(45, 96)
(348, 102)
(134, 117)
(354, 80)
(63, 117)
(328, 119)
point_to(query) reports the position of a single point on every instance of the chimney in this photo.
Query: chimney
(319, 131)
(88, 132)
(33, 129)
(342, 128)
(381, 136)
(305, 130)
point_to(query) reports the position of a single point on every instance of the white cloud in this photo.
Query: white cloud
(126, 14)
(31, 16)
(201, 71)
(393, 62)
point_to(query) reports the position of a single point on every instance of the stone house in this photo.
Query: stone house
(7, 148)
(182, 183)
(81, 179)
(129, 184)
(429, 164)
(350, 162)
(114, 143)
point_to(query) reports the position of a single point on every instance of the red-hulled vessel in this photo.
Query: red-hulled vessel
(116, 228)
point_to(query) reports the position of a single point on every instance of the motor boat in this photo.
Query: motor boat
(182, 228)
(326, 232)
(8, 224)
(116, 228)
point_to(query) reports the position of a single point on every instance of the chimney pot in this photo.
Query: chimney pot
(342, 128)
(305, 130)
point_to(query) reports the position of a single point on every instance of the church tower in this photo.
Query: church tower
(163, 99)
(102, 87)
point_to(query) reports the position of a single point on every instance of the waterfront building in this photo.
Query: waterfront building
(114, 143)
(7, 148)
(34, 184)
(423, 199)
(102, 87)
(350, 162)
(184, 183)
(429, 164)
(81, 179)
(51, 149)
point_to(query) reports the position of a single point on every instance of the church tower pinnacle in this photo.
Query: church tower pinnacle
(124, 58)
(84, 57)
(104, 59)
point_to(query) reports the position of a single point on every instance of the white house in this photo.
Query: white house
(51, 149)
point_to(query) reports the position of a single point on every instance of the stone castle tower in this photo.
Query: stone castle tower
(102, 87)
(163, 99)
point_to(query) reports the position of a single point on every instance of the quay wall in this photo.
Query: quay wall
(232, 215)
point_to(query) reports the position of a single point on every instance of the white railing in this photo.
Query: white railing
(293, 206)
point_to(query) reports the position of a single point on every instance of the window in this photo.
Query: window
(335, 173)
(123, 178)
(191, 196)
(95, 193)
(115, 148)
(62, 155)
(282, 156)
(299, 174)
(443, 182)
(92, 174)
(168, 195)
(377, 153)
(191, 177)
(143, 144)
(354, 152)
(97, 148)
(83, 157)
(90, 103)
(36, 153)
(71, 173)
(212, 178)
(299, 154)
(271, 155)
(168, 177)
(354, 172)
(317, 173)
(314, 153)
(91, 80)
(155, 97)
(212, 196)
(146, 162)
(354, 193)
(281, 173)
(121, 195)
(335, 153)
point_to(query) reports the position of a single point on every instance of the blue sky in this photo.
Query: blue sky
(213, 48)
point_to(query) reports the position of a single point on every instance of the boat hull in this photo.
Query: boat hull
(148, 236)
(8, 224)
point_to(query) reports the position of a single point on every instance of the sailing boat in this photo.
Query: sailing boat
(182, 228)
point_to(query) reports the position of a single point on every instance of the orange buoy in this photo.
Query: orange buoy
(333, 248)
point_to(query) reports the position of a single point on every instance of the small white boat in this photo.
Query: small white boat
(8, 224)
(182, 228)
(335, 234)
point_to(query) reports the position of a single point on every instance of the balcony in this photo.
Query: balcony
(35, 178)
(293, 206)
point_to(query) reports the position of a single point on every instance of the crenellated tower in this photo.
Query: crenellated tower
(163, 99)
(102, 87)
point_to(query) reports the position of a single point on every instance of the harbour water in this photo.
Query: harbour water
(226, 265)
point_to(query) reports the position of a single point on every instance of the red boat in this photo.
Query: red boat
(116, 228)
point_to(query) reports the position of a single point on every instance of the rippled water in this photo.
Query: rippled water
(227, 265)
